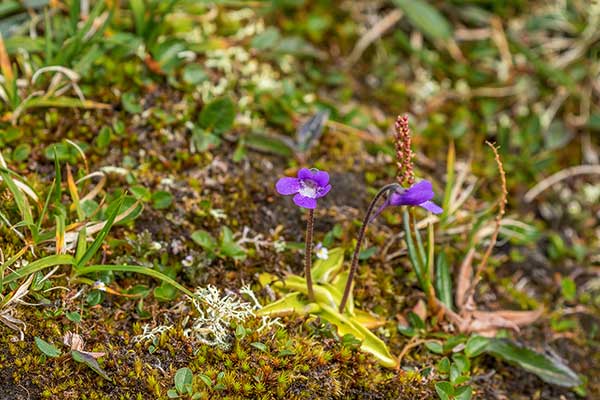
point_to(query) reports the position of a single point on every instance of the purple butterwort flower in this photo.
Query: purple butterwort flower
(310, 185)
(419, 194)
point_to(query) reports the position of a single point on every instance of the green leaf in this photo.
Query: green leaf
(267, 39)
(370, 343)
(131, 103)
(218, 116)
(444, 366)
(443, 281)
(161, 199)
(140, 193)
(204, 140)
(593, 122)
(21, 152)
(104, 137)
(165, 292)
(454, 373)
(434, 347)
(292, 303)
(323, 270)
(136, 269)
(91, 251)
(445, 390)
(19, 197)
(549, 369)
(260, 346)
(207, 381)
(270, 143)
(568, 288)
(229, 247)
(94, 297)
(463, 393)
(194, 74)
(426, 18)
(413, 254)
(73, 317)
(48, 349)
(476, 345)
(183, 377)
(38, 265)
(205, 240)
(91, 362)
(415, 321)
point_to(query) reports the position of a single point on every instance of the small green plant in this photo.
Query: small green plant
(68, 53)
(329, 280)
(225, 247)
(183, 385)
(68, 227)
(216, 119)
(75, 344)
(456, 371)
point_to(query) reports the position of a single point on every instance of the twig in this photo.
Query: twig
(373, 34)
(559, 176)
(413, 342)
(498, 220)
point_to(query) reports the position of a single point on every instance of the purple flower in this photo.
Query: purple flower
(310, 185)
(419, 194)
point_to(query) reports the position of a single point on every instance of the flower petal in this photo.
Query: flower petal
(305, 202)
(305, 173)
(414, 195)
(321, 177)
(287, 186)
(431, 207)
(323, 191)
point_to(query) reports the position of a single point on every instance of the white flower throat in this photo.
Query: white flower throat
(308, 188)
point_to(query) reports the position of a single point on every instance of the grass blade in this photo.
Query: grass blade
(412, 251)
(450, 161)
(20, 201)
(136, 269)
(443, 281)
(38, 265)
(101, 235)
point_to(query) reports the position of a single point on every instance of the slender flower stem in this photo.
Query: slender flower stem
(308, 254)
(361, 236)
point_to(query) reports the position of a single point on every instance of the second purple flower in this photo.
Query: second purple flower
(419, 194)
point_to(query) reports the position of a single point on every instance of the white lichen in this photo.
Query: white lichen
(216, 312)
(149, 333)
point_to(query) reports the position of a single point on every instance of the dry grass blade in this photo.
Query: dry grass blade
(71, 237)
(373, 34)
(8, 304)
(519, 318)
(81, 153)
(76, 342)
(463, 281)
(5, 65)
(559, 176)
(97, 188)
(22, 186)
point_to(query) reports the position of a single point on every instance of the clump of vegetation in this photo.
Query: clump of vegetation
(144, 252)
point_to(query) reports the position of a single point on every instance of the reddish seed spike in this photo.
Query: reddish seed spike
(404, 153)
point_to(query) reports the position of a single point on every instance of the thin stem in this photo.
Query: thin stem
(308, 254)
(361, 236)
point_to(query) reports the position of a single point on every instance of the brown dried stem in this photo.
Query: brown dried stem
(498, 220)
